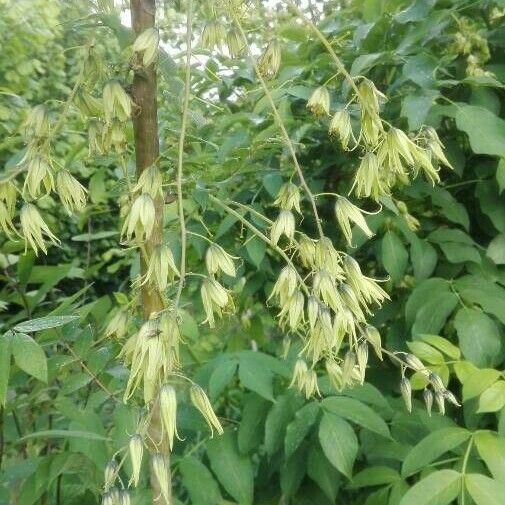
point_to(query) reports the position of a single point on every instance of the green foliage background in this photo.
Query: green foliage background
(64, 418)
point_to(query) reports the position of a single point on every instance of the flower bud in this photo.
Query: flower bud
(270, 61)
(436, 381)
(141, 218)
(88, 104)
(312, 311)
(285, 285)
(124, 497)
(150, 181)
(283, 225)
(108, 499)
(6, 220)
(202, 403)
(161, 268)
(440, 400)
(450, 397)
(369, 96)
(33, 226)
(362, 357)
(288, 197)
(215, 298)
(340, 127)
(36, 124)
(110, 474)
(306, 251)
(116, 102)
(311, 387)
(372, 336)
(71, 192)
(39, 172)
(406, 390)
(348, 213)
(368, 181)
(8, 195)
(348, 367)
(213, 35)
(217, 259)
(160, 470)
(414, 362)
(428, 400)
(118, 325)
(334, 374)
(168, 412)
(319, 102)
(147, 44)
(136, 447)
(234, 42)
(299, 376)
(95, 135)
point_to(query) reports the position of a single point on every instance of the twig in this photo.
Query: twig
(180, 158)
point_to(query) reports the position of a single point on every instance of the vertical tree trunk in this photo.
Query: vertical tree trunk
(145, 128)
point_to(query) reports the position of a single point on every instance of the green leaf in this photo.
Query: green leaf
(421, 294)
(43, 323)
(496, 249)
(374, 476)
(298, 429)
(442, 344)
(356, 412)
(493, 398)
(278, 418)
(483, 490)
(29, 356)
(197, 479)
(478, 381)
(500, 175)
(339, 443)
(250, 432)
(256, 249)
(459, 253)
(479, 337)
(434, 313)
(320, 470)
(5, 366)
(421, 69)
(426, 352)
(491, 449)
(489, 136)
(491, 203)
(424, 258)
(480, 291)
(292, 472)
(254, 376)
(438, 488)
(221, 377)
(431, 447)
(87, 435)
(415, 107)
(233, 470)
(394, 256)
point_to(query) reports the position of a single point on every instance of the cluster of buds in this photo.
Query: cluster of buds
(434, 391)
(152, 354)
(329, 310)
(216, 299)
(270, 60)
(287, 199)
(470, 43)
(390, 156)
(41, 179)
(305, 379)
(113, 495)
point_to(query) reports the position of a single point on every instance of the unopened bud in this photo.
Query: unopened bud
(428, 400)
(110, 474)
(136, 447)
(160, 470)
(439, 398)
(71, 192)
(147, 44)
(406, 390)
(217, 259)
(202, 403)
(348, 213)
(283, 225)
(319, 102)
(348, 367)
(168, 412)
(270, 61)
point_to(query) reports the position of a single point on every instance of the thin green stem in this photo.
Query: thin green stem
(340, 66)
(282, 127)
(180, 158)
(263, 237)
(463, 468)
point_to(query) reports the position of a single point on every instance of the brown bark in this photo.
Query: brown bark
(145, 128)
